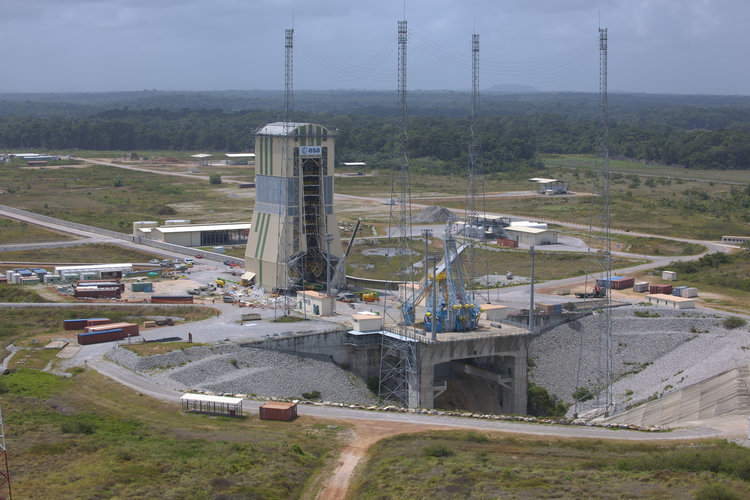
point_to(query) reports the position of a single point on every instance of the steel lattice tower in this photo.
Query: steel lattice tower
(4, 473)
(284, 233)
(595, 350)
(474, 180)
(398, 350)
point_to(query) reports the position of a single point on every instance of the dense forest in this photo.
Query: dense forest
(707, 132)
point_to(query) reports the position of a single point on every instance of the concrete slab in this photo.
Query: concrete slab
(56, 344)
(69, 351)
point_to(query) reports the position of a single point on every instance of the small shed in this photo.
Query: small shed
(494, 312)
(278, 410)
(314, 303)
(214, 405)
(367, 322)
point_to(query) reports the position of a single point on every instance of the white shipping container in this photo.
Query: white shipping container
(669, 275)
(640, 287)
(689, 292)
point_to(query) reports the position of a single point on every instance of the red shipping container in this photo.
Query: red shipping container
(507, 242)
(666, 289)
(623, 283)
(74, 324)
(276, 410)
(97, 321)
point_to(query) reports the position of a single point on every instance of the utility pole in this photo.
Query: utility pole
(531, 296)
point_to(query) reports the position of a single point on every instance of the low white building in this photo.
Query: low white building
(312, 303)
(367, 322)
(193, 235)
(531, 235)
(94, 271)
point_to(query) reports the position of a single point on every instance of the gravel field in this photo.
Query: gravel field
(670, 350)
(228, 368)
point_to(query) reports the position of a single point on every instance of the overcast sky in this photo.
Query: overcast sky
(655, 46)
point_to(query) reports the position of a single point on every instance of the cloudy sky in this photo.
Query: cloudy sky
(655, 46)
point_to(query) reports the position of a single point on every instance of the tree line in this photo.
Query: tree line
(512, 133)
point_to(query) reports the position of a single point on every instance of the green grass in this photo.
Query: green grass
(19, 293)
(100, 253)
(21, 232)
(451, 465)
(43, 323)
(89, 196)
(70, 438)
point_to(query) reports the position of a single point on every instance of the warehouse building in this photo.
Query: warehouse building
(193, 235)
(93, 272)
(526, 235)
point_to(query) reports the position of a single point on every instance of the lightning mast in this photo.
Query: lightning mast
(595, 367)
(288, 236)
(4, 473)
(398, 350)
(474, 171)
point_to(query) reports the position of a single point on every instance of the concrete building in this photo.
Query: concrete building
(293, 211)
(531, 235)
(312, 303)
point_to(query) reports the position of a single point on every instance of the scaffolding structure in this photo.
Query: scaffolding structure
(594, 374)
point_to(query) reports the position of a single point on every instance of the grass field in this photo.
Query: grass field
(89, 437)
(641, 245)
(21, 232)
(472, 465)
(113, 198)
(367, 260)
(99, 253)
(42, 324)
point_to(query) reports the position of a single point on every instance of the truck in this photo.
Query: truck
(597, 293)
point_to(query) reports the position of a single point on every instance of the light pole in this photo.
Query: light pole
(531, 299)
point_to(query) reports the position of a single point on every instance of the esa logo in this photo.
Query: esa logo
(310, 151)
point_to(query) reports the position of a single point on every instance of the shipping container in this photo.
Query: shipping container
(661, 288)
(689, 292)
(640, 287)
(276, 410)
(96, 293)
(130, 329)
(622, 283)
(74, 324)
(101, 336)
(676, 291)
(505, 242)
(172, 299)
(145, 286)
(97, 321)
(669, 275)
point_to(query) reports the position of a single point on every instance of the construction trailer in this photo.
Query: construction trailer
(295, 237)
(213, 405)
(278, 410)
